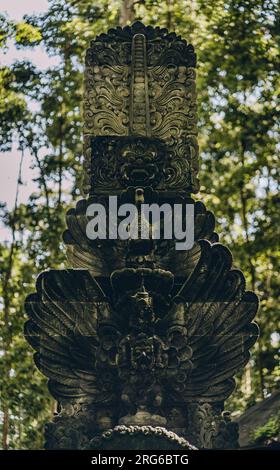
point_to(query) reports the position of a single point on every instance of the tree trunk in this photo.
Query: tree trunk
(60, 161)
(169, 15)
(44, 181)
(127, 12)
(6, 302)
(260, 367)
(5, 428)
(250, 261)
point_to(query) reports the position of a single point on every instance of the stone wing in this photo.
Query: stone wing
(63, 316)
(218, 317)
(102, 257)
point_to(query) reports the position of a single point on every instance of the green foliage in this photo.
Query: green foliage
(27, 35)
(270, 430)
(238, 97)
(13, 109)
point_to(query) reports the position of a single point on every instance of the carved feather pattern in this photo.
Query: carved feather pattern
(101, 257)
(211, 313)
(219, 313)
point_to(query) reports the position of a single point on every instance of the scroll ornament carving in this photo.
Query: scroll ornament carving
(212, 428)
(143, 85)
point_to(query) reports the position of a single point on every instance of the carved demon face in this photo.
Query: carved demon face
(143, 352)
(140, 161)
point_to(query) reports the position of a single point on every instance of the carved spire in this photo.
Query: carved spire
(139, 113)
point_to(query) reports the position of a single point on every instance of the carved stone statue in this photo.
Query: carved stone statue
(141, 342)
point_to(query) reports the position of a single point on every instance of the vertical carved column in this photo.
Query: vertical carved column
(139, 113)
(141, 342)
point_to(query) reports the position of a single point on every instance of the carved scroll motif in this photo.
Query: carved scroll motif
(106, 100)
(142, 83)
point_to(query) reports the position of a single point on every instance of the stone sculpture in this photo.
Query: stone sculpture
(141, 342)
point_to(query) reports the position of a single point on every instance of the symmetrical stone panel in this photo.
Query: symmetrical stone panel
(140, 82)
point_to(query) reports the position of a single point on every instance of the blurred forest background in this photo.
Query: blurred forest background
(237, 43)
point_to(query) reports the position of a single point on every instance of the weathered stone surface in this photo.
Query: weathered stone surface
(139, 438)
(145, 338)
(140, 339)
(140, 82)
(102, 257)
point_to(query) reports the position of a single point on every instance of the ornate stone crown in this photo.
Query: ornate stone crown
(140, 88)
